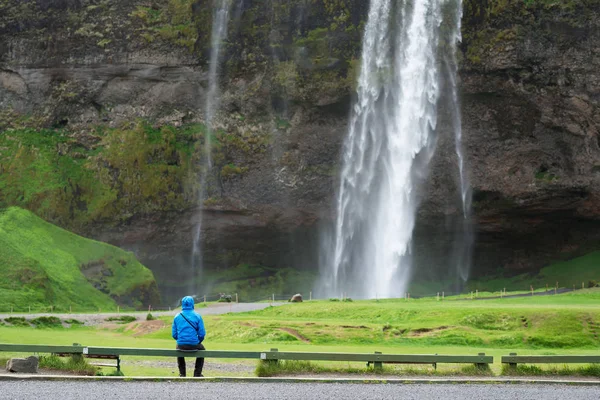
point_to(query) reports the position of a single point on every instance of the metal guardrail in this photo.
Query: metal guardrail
(273, 355)
(513, 359)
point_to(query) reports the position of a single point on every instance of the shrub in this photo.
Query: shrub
(225, 298)
(124, 319)
(47, 322)
(17, 321)
(150, 317)
(73, 321)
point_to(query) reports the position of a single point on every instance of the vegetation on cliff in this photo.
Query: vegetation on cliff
(44, 266)
(106, 175)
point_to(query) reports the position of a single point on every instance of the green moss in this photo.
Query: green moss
(135, 169)
(229, 171)
(171, 22)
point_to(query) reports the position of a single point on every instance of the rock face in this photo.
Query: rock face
(27, 365)
(530, 92)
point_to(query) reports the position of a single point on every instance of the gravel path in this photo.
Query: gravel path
(96, 319)
(50, 390)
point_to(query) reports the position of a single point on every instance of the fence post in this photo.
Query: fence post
(481, 366)
(378, 364)
(204, 299)
(442, 295)
(77, 357)
(476, 292)
(438, 296)
(236, 298)
(310, 296)
(274, 360)
(70, 308)
(513, 365)
(273, 297)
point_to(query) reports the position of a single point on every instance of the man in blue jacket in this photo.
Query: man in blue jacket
(188, 330)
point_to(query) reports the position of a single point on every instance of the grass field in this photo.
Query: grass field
(561, 324)
(42, 265)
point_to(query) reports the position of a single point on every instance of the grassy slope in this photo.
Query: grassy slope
(567, 274)
(40, 266)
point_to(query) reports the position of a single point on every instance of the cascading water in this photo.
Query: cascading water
(388, 148)
(218, 36)
(464, 236)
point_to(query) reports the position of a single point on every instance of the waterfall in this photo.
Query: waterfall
(464, 236)
(218, 36)
(390, 142)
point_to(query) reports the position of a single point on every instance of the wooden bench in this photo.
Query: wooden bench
(98, 357)
(79, 351)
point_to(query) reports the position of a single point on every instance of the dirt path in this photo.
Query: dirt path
(100, 318)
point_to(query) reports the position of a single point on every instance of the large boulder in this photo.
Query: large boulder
(297, 298)
(25, 365)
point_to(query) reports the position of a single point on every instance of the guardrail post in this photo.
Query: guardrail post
(481, 365)
(512, 365)
(274, 360)
(378, 364)
(77, 356)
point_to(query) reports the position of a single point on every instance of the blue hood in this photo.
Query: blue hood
(187, 303)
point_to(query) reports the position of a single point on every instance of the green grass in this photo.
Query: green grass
(565, 324)
(592, 370)
(42, 265)
(569, 274)
(74, 364)
(566, 273)
(292, 367)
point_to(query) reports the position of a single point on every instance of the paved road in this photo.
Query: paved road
(302, 391)
(213, 309)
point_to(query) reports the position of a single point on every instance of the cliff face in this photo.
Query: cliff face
(90, 68)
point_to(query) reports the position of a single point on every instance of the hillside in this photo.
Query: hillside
(42, 265)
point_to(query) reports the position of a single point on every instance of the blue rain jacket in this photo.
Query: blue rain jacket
(186, 333)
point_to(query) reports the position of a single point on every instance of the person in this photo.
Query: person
(188, 330)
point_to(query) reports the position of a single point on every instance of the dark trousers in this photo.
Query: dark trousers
(199, 361)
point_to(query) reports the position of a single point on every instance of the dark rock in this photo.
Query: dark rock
(27, 365)
(297, 298)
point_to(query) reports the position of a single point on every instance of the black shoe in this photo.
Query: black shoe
(198, 376)
(182, 375)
